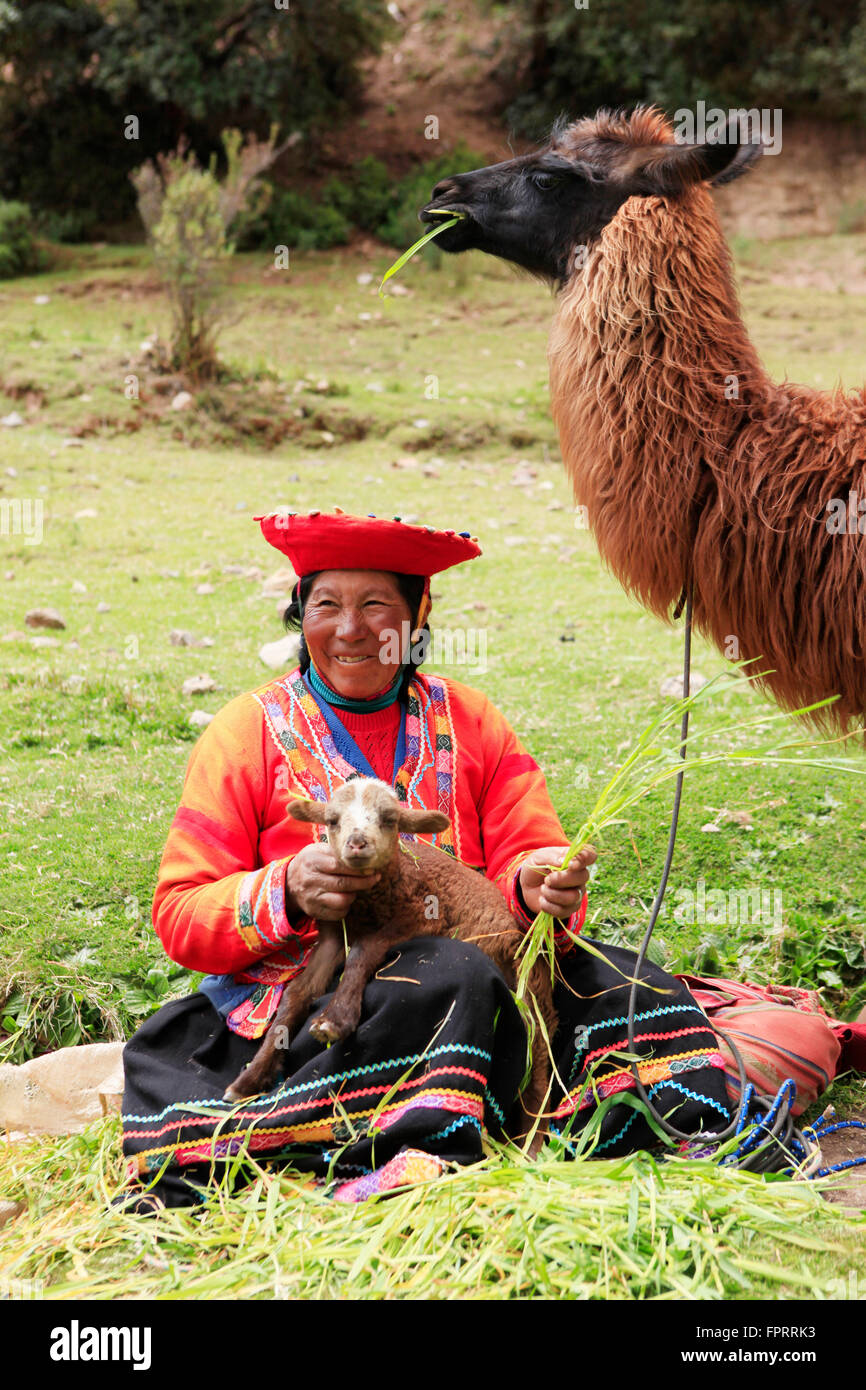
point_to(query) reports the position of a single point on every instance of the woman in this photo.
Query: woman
(439, 1055)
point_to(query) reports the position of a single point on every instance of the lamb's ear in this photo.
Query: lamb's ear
(667, 170)
(421, 822)
(313, 811)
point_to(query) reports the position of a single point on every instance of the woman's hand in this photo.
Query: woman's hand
(560, 892)
(317, 886)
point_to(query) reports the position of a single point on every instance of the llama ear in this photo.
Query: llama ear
(313, 811)
(420, 822)
(667, 170)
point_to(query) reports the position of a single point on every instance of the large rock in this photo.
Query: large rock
(44, 617)
(63, 1091)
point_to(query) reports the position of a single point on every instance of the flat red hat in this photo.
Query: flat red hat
(339, 541)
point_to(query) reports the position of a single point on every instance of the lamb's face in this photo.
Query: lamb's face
(363, 820)
(362, 824)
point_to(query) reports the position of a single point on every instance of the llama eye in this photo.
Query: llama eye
(545, 181)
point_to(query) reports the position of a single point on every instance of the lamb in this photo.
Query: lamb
(364, 819)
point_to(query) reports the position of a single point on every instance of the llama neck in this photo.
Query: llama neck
(652, 378)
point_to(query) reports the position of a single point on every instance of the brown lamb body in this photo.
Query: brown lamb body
(421, 892)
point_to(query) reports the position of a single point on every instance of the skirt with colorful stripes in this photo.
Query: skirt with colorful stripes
(436, 1063)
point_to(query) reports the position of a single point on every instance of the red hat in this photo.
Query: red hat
(339, 541)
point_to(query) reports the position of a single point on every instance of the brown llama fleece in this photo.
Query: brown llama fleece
(691, 461)
(421, 892)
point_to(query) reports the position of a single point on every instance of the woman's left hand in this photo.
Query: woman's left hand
(560, 892)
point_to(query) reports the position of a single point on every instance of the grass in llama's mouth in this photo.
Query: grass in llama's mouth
(453, 219)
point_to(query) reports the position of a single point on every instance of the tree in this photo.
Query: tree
(76, 70)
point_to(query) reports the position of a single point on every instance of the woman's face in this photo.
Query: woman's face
(353, 626)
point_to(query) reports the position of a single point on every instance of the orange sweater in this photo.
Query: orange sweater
(219, 904)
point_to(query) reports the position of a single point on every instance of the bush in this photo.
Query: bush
(187, 214)
(369, 200)
(18, 252)
(292, 219)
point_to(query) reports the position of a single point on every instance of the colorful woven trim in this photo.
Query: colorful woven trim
(405, 1168)
(195, 1131)
(651, 1072)
(427, 777)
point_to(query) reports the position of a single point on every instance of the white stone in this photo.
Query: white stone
(281, 654)
(673, 686)
(12, 420)
(182, 401)
(200, 718)
(198, 685)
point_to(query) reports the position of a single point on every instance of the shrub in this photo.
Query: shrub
(18, 252)
(187, 214)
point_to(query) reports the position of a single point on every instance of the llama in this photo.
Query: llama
(364, 819)
(693, 466)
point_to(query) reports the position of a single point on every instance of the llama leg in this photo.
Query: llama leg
(294, 1007)
(340, 1017)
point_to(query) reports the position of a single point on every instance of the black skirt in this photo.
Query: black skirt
(437, 1060)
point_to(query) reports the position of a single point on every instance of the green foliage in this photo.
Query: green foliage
(368, 199)
(808, 59)
(293, 219)
(76, 70)
(18, 252)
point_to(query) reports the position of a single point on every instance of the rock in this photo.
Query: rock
(327, 437)
(421, 423)
(42, 299)
(63, 1091)
(365, 278)
(45, 641)
(282, 581)
(198, 685)
(179, 637)
(78, 587)
(523, 474)
(199, 718)
(280, 654)
(205, 589)
(673, 686)
(12, 420)
(14, 637)
(44, 617)
(11, 472)
(103, 607)
(429, 471)
(182, 401)
(710, 828)
(85, 514)
(9, 1210)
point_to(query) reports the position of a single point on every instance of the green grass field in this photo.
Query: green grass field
(432, 405)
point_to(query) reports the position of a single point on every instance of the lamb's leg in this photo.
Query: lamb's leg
(340, 1017)
(295, 1005)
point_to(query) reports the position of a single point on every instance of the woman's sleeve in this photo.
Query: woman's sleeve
(216, 908)
(517, 816)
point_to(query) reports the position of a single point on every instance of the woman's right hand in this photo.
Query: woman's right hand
(317, 886)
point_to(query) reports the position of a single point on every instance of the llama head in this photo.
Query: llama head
(543, 211)
(363, 820)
